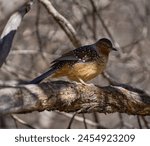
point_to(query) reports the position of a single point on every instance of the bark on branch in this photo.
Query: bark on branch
(72, 97)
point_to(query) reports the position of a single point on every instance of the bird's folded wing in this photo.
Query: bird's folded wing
(70, 56)
(83, 54)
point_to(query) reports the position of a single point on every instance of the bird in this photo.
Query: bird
(81, 64)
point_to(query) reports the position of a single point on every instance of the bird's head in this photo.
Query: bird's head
(104, 45)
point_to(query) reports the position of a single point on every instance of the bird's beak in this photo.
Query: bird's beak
(114, 49)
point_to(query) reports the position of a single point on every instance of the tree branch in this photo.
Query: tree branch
(10, 29)
(72, 97)
(63, 23)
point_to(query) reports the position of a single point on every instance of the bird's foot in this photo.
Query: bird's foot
(85, 84)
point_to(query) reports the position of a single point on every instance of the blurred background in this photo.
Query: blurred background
(40, 39)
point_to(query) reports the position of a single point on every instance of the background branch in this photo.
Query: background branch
(63, 22)
(17, 119)
(10, 29)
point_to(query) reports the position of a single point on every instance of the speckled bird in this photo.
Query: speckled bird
(81, 64)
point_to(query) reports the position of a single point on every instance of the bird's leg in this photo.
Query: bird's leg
(82, 82)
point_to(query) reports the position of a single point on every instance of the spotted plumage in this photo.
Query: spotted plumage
(83, 63)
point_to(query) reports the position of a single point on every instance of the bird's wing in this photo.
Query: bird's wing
(80, 54)
(67, 56)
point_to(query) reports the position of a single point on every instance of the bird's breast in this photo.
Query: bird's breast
(83, 70)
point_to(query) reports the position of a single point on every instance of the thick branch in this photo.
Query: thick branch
(9, 31)
(72, 97)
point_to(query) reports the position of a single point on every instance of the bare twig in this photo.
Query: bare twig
(80, 119)
(39, 41)
(94, 23)
(10, 69)
(96, 119)
(71, 121)
(109, 79)
(2, 122)
(37, 27)
(121, 120)
(84, 121)
(135, 42)
(15, 121)
(145, 122)
(16, 118)
(101, 20)
(126, 125)
(103, 24)
(9, 31)
(63, 22)
(139, 122)
(24, 52)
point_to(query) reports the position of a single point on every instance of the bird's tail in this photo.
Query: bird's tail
(43, 76)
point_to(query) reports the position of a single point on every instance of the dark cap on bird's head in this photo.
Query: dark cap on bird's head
(106, 44)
